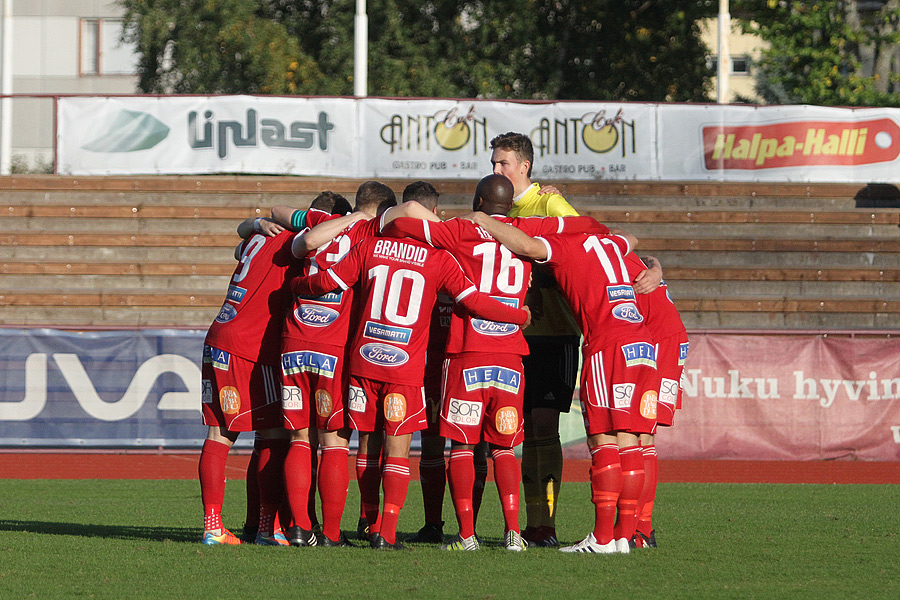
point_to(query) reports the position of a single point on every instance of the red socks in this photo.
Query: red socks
(461, 477)
(648, 494)
(606, 485)
(298, 480)
(368, 476)
(507, 476)
(632, 461)
(212, 482)
(271, 482)
(333, 482)
(395, 481)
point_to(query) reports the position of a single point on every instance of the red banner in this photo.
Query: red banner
(787, 397)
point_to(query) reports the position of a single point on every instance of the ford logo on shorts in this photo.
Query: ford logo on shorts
(315, 315)
(493, 327)
(226, 313)
(384, 355)
(627, 312)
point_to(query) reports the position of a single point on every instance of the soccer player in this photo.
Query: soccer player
(312, 360)
(241, 390)
(552, 364)
(619, 384)
(313, 366)
(432, 465)
(483, 369)
(397, 281)
(671, 339)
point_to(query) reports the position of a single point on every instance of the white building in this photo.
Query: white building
(744, 49)
(62, 47)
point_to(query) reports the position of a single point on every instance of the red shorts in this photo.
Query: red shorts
(483, 395)
(619, 389)
(396, 408)
(670, 355)
(312, 375)
(434, 375)
(239, 394)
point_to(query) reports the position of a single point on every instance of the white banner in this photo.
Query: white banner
(207, 134)
(450, 139)
(431, 139)
(778, 143)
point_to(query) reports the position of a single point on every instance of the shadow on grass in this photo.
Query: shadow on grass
(161, 534)
(123, 532)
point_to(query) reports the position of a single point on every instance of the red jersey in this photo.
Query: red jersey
(591, 272)
(657, 308)
(397, 282)
(535, 226)
(325, 319)
(494, 269)
(250, 321)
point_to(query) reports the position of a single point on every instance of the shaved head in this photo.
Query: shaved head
(494, 195)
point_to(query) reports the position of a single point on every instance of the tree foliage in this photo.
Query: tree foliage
(828, 52)
(523, 49)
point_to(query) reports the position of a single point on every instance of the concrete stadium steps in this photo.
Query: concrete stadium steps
(183, 255)
(787, 260)
(158, 251)
(113, 282)
(106, 315)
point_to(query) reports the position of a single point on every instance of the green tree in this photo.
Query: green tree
(521, 49)
(624, 50)
(829, 52)
(215, 46)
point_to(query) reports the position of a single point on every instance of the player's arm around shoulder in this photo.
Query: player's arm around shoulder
(324, 233)
(554, 204)
(648, 280)
(519, 242)
(454, 282)
(252, 225)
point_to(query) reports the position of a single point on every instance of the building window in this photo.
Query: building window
(740, 65)
(102, 52)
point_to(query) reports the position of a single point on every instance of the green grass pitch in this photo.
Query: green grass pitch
(139, 539)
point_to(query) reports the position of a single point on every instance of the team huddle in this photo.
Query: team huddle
(387, 321)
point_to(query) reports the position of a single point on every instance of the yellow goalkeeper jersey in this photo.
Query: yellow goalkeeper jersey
(553, 316)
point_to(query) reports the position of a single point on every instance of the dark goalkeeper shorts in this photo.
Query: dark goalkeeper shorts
(551, 371)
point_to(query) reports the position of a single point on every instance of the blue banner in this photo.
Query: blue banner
(136, 388)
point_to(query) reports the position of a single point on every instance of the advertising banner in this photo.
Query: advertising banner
(101, 389)
(432, 139)
(448, 139)
(750, 397)
(778, 143)
(787, 397)
(207, 134)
